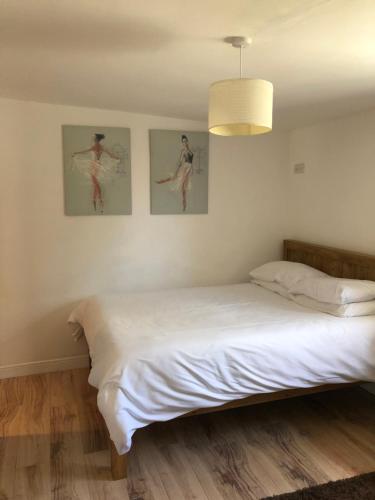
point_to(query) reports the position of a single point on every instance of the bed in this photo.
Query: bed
(157, 356)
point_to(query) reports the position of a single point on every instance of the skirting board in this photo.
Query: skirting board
(48, 365)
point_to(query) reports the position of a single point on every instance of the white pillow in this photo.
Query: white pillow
(343, 310)
(273, 287)
(335, 290)
(285, 273)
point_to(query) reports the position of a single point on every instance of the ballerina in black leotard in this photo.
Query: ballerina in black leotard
(184, 171)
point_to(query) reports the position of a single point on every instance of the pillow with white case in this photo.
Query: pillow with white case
(273, 287)
(341, 310)
(285, 273)
(335, 290)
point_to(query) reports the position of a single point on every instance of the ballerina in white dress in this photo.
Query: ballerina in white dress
(96, 167)
(182, 177)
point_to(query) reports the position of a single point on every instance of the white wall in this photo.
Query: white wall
(49, 261)
(334, 201)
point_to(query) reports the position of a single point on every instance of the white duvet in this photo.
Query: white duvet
(158, 355)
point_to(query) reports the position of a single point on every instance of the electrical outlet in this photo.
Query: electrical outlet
(299, 168)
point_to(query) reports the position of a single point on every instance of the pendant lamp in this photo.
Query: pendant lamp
(240, 106)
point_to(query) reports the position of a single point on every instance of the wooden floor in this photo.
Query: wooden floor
(53, 446)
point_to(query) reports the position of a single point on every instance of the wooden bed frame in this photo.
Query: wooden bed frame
(333, 261)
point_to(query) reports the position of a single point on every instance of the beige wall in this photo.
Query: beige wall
(49, 261)
(334, 201)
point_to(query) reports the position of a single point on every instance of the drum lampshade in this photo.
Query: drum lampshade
(240, 107)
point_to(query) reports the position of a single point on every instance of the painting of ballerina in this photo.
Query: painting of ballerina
(97, 176)
(179, 172)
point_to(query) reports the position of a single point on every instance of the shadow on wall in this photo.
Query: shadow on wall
(292, 115)
(48, 337)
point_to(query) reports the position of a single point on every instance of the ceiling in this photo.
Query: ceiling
(159, 57)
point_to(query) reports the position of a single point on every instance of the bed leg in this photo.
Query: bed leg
(119, 464)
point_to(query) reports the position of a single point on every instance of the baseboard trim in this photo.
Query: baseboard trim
(47, 365)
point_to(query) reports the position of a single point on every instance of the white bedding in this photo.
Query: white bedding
(160, 354)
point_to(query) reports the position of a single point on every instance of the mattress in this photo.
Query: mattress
(158, 355)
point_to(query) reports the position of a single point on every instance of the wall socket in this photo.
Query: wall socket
(299, 168)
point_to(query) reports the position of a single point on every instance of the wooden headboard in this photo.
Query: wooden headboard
(333, 261)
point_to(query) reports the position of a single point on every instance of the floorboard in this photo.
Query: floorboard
(53, 446)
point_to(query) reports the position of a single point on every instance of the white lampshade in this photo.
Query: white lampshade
(240, 107)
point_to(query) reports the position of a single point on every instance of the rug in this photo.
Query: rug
(355, 488)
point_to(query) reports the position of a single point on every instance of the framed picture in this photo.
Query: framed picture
(97, 173)
(179, 172)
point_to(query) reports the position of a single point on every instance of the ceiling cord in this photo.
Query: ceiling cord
(241, 61)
